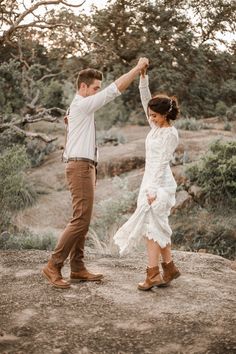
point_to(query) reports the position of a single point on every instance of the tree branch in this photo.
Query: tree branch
(40, 136)
(6, 36)
(25, 133)
(37, 24)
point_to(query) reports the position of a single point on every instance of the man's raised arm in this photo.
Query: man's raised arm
(125, 80)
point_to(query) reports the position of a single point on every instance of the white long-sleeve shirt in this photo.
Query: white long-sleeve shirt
(81, 126)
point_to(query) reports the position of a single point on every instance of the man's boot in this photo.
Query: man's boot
(170, 272)
(154, 278)
(84, 275)
(53, 274)
(78, 269)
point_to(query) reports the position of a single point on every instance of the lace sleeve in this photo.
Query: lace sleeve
(145, 95)
(170, 142)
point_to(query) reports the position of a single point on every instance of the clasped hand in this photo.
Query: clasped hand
(143, 63)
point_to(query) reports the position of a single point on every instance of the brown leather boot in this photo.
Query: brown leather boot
(153, 278)
(53, 274)
(170, 272)
(84, 275)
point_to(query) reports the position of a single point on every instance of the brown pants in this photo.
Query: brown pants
(81, 180)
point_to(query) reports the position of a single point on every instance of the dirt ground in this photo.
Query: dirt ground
(195, 315)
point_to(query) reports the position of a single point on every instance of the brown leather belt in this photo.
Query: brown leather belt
(81, 159)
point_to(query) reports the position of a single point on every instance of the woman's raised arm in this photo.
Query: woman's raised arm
(145, 94)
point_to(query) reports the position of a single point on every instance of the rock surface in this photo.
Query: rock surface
(183, 200)
(195, 314)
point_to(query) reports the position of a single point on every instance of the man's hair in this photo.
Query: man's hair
(88, 76)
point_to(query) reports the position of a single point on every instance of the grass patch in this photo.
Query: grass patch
(27, 241)
(206, 230)
(16, 192)
(111, 214)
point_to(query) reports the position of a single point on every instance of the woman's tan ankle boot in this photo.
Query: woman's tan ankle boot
(170, 272)
(153, 278)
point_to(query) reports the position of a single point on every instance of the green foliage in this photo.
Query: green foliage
(231, 113)
(9, 138)
(15, 191)
(216, 173)
(219, 239)
(182, 62)
(53, 95)
(27, 240)
(11, 96)
(227, 126)
(188, 124)
(210, 231)
(221, 109)
(37, 150)
(228, 90)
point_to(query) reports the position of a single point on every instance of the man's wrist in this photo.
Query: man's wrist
(138, 68)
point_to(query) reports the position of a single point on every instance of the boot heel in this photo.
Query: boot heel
(177, 275)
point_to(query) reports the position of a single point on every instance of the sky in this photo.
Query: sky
(99, 3)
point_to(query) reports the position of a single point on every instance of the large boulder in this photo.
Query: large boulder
(194, 315)
(197, 193)
(183, 201)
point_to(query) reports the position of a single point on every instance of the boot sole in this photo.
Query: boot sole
(55, 286)
(165, 285)
(82, 280)
(145, 289)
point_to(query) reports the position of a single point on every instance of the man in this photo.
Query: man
(81, 156)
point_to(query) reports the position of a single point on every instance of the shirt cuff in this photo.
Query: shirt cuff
(114, 89)
(143, 81)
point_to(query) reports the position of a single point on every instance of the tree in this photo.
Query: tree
(16, 17)
(27, 66)
(182, 48)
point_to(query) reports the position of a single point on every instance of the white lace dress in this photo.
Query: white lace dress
(152, 220)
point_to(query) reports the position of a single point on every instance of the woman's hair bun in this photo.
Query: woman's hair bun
(165, 105)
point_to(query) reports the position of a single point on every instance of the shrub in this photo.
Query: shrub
(110, 136)
(111, 214)
(221, 109)
(231, 113)
(15, 191)
(227, 125)
(37, 150)
(212, 231)
(216, 172)
(53, 95)
(188, 124)
(11, 88)
(26, 240)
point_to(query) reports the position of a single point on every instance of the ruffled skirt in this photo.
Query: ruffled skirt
(150, 221)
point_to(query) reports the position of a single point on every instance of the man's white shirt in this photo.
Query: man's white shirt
(81, 125)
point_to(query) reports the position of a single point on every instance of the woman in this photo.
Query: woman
(157, 191)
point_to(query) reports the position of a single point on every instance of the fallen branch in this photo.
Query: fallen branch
(27, 134)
